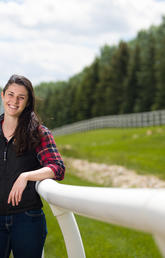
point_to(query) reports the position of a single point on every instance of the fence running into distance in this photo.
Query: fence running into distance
(144, 119)
(141, 209)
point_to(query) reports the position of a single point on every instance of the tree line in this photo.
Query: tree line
(126, 78)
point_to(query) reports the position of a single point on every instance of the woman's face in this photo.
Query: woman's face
(15, 99)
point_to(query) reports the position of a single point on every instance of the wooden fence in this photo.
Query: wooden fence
(145, 119)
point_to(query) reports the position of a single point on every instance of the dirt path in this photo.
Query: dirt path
(114, 176)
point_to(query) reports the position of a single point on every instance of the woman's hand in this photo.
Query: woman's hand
(21, 182)
(17, 189)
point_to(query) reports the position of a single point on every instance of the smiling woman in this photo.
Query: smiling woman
(28, 153)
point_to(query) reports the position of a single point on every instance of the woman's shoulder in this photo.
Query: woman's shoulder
(44, 130)
(46, 138)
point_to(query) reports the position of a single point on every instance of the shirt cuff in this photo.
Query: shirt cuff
(58, 171)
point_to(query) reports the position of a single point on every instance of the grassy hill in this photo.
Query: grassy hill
(141, 149)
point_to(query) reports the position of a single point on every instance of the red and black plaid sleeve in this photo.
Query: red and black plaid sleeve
(48, 154)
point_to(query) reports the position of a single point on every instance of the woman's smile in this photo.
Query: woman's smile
(12, 107)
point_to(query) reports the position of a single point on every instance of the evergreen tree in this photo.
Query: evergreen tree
(85, 93)
(100, 107)
(146, 75)
(131, 84)
(74, 96)
(117, 74)
(160, 67)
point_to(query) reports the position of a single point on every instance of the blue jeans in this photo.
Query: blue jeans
(23, 233)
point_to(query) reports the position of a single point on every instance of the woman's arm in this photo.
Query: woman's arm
(21, 182)
(48, 155)
(51, 162)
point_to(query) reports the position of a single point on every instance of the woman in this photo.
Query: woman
(27, 154)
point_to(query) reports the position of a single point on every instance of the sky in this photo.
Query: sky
(52, 40)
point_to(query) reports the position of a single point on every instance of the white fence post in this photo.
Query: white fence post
(70, 232)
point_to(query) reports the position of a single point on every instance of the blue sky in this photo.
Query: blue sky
(50, 40)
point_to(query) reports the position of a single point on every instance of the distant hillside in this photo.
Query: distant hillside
(125, 78)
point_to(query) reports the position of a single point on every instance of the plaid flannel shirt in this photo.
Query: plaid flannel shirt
(48, 154)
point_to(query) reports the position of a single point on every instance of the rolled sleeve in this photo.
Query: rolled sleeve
(48, 154)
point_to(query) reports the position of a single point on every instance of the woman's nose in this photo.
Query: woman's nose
(16, 99)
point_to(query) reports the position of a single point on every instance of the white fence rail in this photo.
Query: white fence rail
(116, 121)
(141, 209)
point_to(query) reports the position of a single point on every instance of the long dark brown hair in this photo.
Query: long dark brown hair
(27, 134)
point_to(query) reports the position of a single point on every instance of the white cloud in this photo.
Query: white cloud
(53, 40)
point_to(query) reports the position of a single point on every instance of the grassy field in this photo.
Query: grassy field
(141, 149)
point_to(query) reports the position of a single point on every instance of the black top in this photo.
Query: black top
(11, 166)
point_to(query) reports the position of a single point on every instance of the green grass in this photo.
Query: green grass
(141, 149)
(101, 240)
